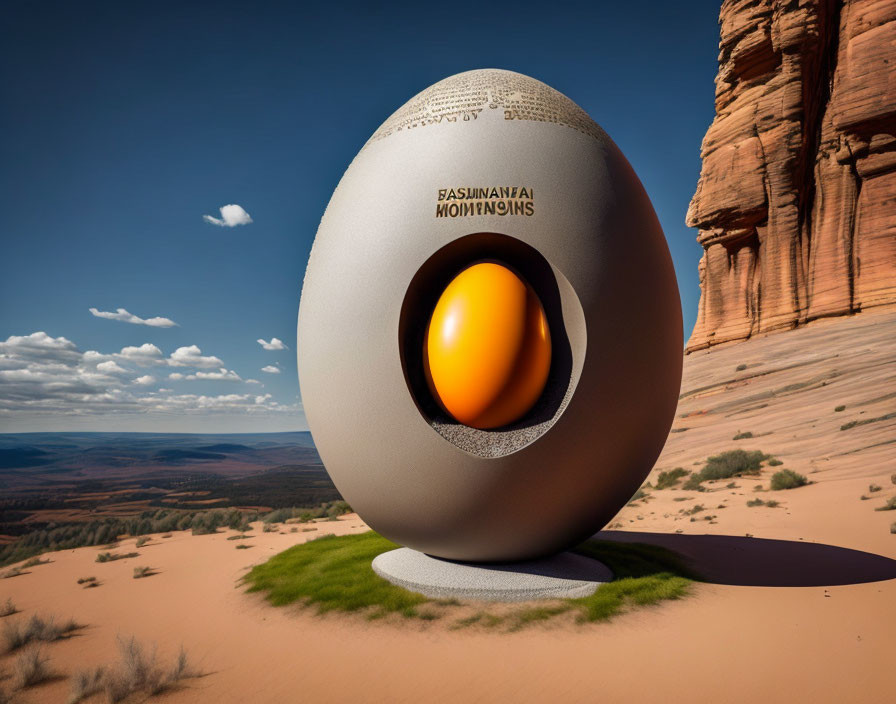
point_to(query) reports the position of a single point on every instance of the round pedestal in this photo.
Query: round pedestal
(562, 576)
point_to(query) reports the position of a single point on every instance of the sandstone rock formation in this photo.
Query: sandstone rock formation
(796, 202)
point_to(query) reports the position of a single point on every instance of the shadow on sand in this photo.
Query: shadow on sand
(757, 562)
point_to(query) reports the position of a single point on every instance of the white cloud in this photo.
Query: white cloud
(125, 317)
(231, 216)
(175, 376)
(192, 357)
(44, 377)
(144, 355)
(270, 369)
(274, 344)
(252, 381)
(110, 367)
(221, 375)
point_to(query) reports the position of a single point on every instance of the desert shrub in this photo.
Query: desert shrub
(270, 528)
(243, 546)
(637, 496)
(665, 480)
(238, 537)
(86, 683)
(88, 582)
(889, 506)
(774, 462)
(771, 503)
(893, 527)
(696, 508)
(37, 628)
(732, 463)
(742, 436)
(111, 556)
(755, 502)
(141, 541)
(34, 562)
(839, 408)
(32, 667)
(8, 609)
(787, 479)
(740, 367)
(14, 572)
(872, 488)
(138, 670)
(893, 478)
(140, 572)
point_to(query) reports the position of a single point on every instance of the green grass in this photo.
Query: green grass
(787, 479)
(334, 574)
(666, 480)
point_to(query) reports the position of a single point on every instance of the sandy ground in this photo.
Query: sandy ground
(800, 606)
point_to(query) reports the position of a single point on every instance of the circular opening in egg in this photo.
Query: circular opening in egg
(535, 411)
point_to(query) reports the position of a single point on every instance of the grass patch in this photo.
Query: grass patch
(856, 423)
(742, 436)
(839, 408)
(111, 556)
(333, 573)
(666, 480)
(774, 462)
(787, 479)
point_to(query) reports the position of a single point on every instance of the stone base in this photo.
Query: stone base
(563, 576)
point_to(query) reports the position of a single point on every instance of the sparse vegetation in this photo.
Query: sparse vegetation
(138, 671)
(637, 496)
(18, 635)
(873, 488)
(14, 572)
(771, 503)
(86, 683)
(889, 506)
(742, 436)
(88, 582)
(143, 571)
(32, 667)
(238, 537)
(34, 562)
(667, 480)
(696, 508)
(732, 463)
(243, 546)
(111, 556)
(270, 528)
(839, 408)
(141, 541)
(774, 462)
(787, 479)
(740, 367)
(8, 609)
(855, 423)
(893, 527)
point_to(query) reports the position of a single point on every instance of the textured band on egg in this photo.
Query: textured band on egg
(489, 166)
(565, 320)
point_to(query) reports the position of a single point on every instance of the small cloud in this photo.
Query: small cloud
(270, 369)
(221, 375)
(125, 317)
(192, 357)
(231, 216)
(175, 376)
(274, 344)
(146, 380)
(110, 367)
(144, 355)
(252, 381)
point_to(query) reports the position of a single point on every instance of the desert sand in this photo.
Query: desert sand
(799, 604)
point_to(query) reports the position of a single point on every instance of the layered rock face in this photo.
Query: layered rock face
(796, 202)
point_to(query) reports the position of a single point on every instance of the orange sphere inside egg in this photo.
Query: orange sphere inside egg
(487, 349)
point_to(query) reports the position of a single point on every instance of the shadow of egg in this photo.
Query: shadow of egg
(489, 166)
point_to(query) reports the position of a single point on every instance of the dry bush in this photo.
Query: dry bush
(37, 628)
(31, 668)
(139, 671)
(86, 683)
(8, 609)
(141, 541)
(140, 572)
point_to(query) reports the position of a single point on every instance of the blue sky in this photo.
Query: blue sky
(124, 123)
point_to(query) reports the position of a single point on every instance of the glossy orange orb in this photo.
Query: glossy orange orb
(487, 350)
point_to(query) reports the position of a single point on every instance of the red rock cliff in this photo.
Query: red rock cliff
(796, 202)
